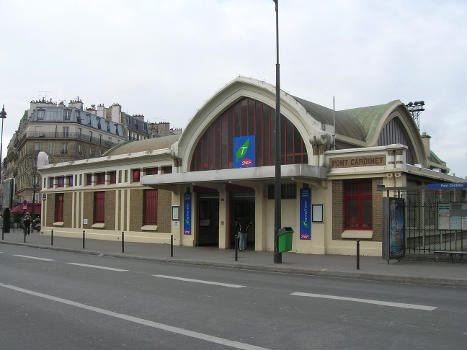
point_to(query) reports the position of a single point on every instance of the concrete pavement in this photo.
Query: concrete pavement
(371, 268)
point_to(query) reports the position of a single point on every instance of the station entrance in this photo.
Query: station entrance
(242, 214)
(208, 219)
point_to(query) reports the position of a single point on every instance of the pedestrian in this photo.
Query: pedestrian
(1, 224)
(27, 223)
(243, 227)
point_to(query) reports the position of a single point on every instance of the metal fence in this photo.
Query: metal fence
(435, 220)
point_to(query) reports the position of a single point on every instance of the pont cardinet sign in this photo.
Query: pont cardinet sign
(358, 162)
(244, 151)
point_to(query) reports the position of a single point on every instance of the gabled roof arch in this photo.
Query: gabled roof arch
(397, 110)
(239, 88)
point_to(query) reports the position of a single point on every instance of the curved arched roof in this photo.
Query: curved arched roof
(143, 145)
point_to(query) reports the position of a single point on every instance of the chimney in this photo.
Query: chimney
(426, 143)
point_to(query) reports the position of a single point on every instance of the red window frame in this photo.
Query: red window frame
(136, 175)
(112, 177)
(100, 178)
(99, 207)
(88, 179)
(51, 182)
(359, 196)
(60, 181)
(150, 171)
(150, 207)
(59, 207)
(69, 180)
(166, 169)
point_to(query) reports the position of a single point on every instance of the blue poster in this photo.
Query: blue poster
(244, 151)
(396, 228)
(305, 227)
(187, 214)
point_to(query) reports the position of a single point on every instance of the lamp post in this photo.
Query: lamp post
(277, 150)
(415, 108)
(2, 116)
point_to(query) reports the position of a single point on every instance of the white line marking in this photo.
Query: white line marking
(33, 257)
(98, 267)
(129, 318)
(367, 301)
(200, 281)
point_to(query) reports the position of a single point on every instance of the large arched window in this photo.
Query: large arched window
(394, 132)
(246, 117)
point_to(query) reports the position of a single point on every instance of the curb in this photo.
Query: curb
(445, 282)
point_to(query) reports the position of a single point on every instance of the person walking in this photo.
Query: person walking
(243, 227)
(27, 223)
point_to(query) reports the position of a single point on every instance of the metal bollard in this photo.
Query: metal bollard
(84, 239)
(171, 246)
(358, 254)
(236, 247)
(3, 234)
(52, 237)
(123, 242)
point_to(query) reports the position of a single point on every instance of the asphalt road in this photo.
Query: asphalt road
(54, 299)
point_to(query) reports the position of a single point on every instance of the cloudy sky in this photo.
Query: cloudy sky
(165, 59)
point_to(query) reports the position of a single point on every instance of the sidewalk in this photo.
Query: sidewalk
(371, 268)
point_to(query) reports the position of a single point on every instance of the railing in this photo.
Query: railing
(65, 136)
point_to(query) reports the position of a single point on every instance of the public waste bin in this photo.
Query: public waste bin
(285, 236)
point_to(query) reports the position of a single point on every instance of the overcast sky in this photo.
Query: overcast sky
(165, 59)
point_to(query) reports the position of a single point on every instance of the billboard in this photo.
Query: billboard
(244, 151)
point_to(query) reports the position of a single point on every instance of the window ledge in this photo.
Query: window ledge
(149, 228)
(58, 223)
(98, 225)
(357, 234)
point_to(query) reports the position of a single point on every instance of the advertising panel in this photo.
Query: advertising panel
(305, 227)
(244, 151)
(396, 228)
(187, 214)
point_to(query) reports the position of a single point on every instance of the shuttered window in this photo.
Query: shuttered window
(99, 207)
(150, 207)
(59, 207)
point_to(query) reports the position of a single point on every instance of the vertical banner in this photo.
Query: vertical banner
(305, 227)
(187, 214)
(244, 151)
(396, 228)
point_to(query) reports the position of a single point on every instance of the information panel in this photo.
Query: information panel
(305, 227)
(187, 214)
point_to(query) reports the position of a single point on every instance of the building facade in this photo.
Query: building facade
(200, 185)
(65, 133)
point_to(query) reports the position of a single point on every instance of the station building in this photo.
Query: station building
(219, 172)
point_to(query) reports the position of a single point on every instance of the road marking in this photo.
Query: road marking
(200, 281)
(33, 257)
(98, 267)
(367, 301)
(141, 321)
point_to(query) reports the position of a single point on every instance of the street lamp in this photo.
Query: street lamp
(277, 149)
(2, 116)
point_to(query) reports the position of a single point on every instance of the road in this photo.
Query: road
(54, 299)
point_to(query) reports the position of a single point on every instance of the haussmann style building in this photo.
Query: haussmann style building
(198, 185)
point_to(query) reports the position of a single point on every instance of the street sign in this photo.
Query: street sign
(447, 186)
(25, 204)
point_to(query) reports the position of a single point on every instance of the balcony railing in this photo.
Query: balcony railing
(64, 136)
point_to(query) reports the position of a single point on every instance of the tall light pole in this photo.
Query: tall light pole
(3, 117)
(277, 149)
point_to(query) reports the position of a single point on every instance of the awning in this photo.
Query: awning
(19, 209)
(295, 171)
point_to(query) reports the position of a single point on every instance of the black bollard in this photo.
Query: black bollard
(171, 246)
(236, 247)
(358, 254)
(3, 234)
(52, 237)
(84, 239)
(123, 242)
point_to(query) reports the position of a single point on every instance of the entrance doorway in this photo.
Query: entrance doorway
(242, 212)
(208, 219)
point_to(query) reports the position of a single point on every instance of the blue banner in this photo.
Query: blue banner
(187, 214)
(447, 186)
(305, 214)
(396, 228)
(244, 151)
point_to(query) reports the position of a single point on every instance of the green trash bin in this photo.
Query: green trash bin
(285, 237)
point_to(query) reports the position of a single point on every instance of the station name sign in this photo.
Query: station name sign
(358, 162)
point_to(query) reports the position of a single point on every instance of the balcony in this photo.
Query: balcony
(62, 136)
